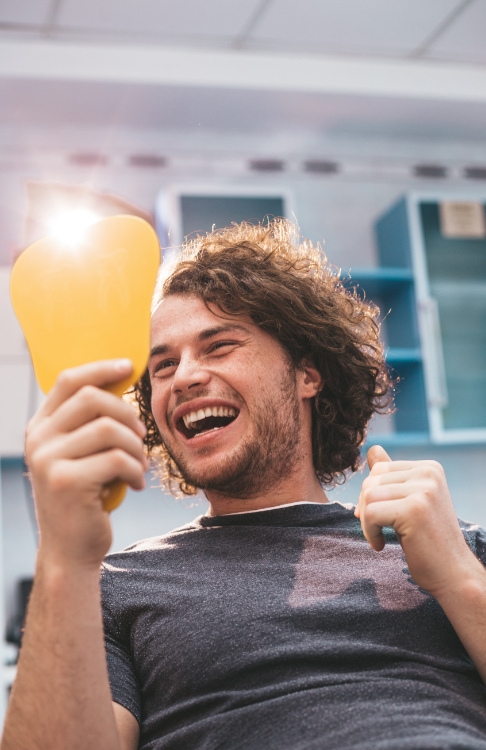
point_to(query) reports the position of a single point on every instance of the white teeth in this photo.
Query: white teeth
(208, 411)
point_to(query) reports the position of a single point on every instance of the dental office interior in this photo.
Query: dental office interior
(362, 120)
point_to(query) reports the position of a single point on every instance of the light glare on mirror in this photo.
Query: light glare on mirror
(69, 226)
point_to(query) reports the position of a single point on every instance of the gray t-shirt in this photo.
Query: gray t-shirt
(283, 630)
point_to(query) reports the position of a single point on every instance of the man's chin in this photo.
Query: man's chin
(223, 472)
(213, 477)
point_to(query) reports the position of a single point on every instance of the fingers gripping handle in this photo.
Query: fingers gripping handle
(112, 495)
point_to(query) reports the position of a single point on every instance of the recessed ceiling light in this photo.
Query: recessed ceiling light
(267, 165)
(475, 173)
(153, 161)
(88, 159)
(430, 170)
(319, 166)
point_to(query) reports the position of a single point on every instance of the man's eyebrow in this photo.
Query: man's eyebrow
(158, 350)
(208, 333)
(228, 328)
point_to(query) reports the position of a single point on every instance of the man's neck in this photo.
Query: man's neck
(292, 490)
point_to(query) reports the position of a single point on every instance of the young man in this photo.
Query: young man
(279, 620)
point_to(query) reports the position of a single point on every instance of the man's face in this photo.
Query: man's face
(224, 397)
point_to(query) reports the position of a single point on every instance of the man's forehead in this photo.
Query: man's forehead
(181, 316)
(186, 308)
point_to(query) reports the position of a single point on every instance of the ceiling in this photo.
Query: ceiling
(381, 68)
(51, 104)
(442, 30)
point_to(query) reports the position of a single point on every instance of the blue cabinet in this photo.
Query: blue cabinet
(392, 288)
(431, 289)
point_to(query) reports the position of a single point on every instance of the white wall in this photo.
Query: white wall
(142, 514)
(339, 209)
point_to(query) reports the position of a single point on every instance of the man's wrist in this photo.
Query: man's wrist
(467, 581)
(55, 570)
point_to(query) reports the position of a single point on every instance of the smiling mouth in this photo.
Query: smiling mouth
(206, 420)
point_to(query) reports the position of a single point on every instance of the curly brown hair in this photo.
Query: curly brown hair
(286, 287)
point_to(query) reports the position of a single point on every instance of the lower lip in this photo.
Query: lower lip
(206, 437)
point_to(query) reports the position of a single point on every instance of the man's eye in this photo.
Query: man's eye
(165, 365)
(221, 344)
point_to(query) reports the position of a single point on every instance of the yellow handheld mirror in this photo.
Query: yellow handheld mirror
(88, 300)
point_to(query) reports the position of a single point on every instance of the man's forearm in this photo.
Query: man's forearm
(464, 603)
(61, 696)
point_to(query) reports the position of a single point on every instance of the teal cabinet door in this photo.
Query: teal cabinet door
(448, 262)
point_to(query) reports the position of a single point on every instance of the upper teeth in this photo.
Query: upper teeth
(209, 411)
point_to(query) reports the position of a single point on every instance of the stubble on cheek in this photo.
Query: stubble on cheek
(264, 457)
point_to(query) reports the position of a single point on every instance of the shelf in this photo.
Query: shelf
(423, 439)
(403, 354)
(382, 273)
(460, 288)
(378, 282)
(398, 438)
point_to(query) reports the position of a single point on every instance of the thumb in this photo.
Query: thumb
(375, 454)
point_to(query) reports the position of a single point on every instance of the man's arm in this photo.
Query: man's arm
(413, 498)
(81, 439)
(128, 729)
(61, 696)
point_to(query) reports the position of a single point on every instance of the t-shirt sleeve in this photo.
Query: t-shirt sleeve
(123, 681)
(481, 544)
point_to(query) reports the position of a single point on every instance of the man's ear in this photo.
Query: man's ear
(309, 379)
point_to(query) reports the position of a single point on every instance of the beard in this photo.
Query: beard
(265, 458)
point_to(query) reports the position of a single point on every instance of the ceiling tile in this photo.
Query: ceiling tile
(24, 11)
(180, 18)
(465, 39)
(350, 26)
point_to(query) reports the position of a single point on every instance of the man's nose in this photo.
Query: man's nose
(189, 374)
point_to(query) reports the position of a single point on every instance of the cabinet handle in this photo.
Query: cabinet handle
(438, 395)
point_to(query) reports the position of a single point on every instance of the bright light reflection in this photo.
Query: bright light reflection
(70, 226)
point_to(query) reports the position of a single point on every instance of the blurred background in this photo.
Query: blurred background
(365, 120)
